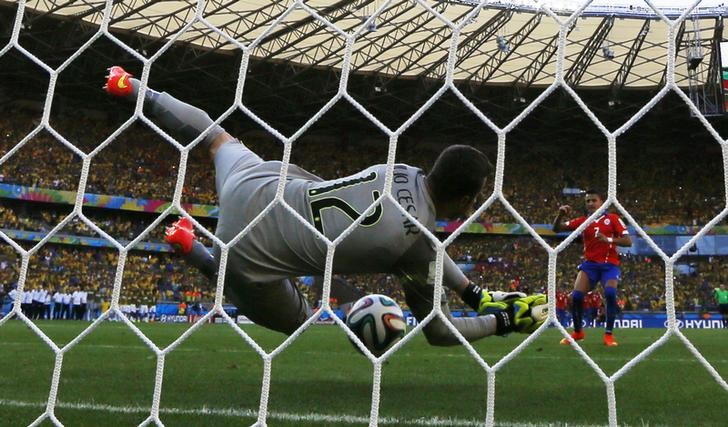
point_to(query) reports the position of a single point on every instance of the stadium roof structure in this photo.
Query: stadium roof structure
(506, 49)
(613, 44)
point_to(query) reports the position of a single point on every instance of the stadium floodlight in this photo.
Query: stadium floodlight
(502, 44)
(695, 57)
(607, 51)
(372, 25)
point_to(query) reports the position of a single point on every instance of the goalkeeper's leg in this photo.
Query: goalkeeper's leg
(279, 305)
(186, 123)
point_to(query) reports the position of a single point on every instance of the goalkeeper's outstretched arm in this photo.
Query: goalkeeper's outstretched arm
(419, 299)
(514, 314)
(418, 264)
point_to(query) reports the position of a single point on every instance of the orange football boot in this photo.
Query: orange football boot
(180, 235)
(117, 82)
(576, 336)
(609, 340)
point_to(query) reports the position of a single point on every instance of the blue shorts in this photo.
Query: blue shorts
(599, 272)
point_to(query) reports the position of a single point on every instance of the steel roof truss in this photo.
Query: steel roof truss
(621, 78)
(490, 66)
(596, 41)
(397, 34)
(529, 74)
(296, 32)
(471, 43)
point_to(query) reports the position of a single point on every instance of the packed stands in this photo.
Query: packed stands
(145, 166)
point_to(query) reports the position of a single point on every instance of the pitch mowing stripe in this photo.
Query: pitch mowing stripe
(280, 416)
(451, 355)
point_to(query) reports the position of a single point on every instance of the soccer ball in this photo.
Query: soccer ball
(378, 322)
(540, 313)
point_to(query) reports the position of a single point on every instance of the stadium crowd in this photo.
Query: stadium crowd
(147, 278)
(120, 225)
(519, 263)
(500, 263)
(145, 166)
(667, 192)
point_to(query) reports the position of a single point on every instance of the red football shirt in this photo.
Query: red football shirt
(595, 299)
(562, 300)
(610, 225)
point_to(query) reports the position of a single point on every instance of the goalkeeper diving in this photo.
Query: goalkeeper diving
(260, 265)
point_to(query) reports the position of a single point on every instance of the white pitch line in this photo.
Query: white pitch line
(280, 416)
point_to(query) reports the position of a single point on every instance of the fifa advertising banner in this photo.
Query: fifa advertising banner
(167, 313)
(632, 320)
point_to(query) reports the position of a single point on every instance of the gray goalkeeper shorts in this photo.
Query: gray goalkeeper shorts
(278, 305)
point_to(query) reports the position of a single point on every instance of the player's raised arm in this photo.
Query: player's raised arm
(559, 225)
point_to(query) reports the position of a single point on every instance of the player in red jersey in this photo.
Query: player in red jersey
(595, 306)
(587, 310)
(601, 261)
(562, 303)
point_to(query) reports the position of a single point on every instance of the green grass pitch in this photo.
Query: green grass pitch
(214, 378)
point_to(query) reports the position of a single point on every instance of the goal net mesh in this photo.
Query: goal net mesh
(496, 195)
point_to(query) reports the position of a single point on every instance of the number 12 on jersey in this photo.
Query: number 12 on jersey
(320, 205)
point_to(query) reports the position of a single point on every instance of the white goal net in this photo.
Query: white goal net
(455, 30)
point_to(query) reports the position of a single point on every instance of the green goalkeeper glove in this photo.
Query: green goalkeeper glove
(519, 318)
(523, 321)
(494, 302)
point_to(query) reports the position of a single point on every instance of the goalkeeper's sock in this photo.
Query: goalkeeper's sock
(202, 259)
(472, 296)
(149, 95)
(577, 309)
(610, 294)
(185, 120)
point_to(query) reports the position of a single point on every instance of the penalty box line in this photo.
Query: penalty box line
(280, 416)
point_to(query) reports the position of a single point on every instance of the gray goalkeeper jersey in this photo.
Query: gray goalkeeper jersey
(279, 246)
